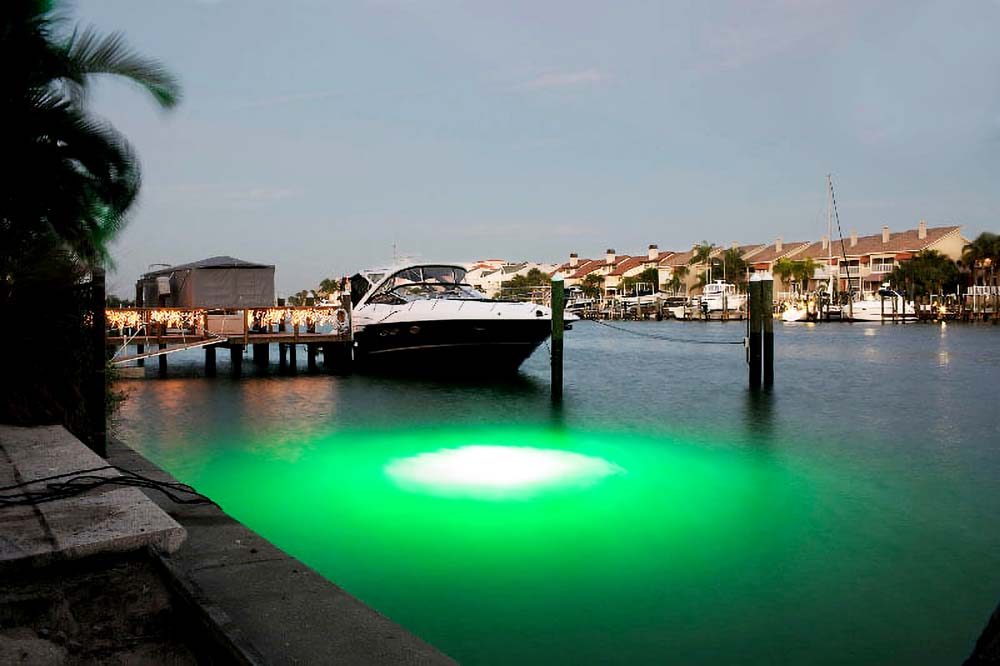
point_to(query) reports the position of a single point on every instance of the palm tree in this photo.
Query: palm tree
(784, 268)
(592, 285)
(803, 270)
(69, 178)
(982, 255)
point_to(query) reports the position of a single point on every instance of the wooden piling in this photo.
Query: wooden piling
(163, 360)
(558, 305)
(311, 357)
(139, 349)
(260, 355)
(210, 361)
(756, 330)
(282, 357)
(767, 316)
(292, 361)
(236, 356)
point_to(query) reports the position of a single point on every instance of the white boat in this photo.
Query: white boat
(884, 305)
(720, 295)
(425, 319)
(795, 312)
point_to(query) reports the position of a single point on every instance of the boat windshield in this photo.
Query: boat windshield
(423, 282)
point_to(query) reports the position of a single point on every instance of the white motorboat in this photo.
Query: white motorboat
(884, 305)
(425, 319)
(720, 295)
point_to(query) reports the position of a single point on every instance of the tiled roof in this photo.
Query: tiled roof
(629, 264)
(585, 269)
(771, 253)
(903, 241)
(566, 268)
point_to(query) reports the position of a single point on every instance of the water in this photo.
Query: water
(664, 515)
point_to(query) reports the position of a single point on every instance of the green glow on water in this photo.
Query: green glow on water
(583, 545)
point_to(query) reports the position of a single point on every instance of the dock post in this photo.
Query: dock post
(260, 354)
(292, 361)
(210, 361)
(236, 356)
(767, 315)
(558, 297)
(282, 357)
(139, 349)
(311, 357)
(756, 329)
(163, 360)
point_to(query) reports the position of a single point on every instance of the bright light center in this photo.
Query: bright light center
(498, 471)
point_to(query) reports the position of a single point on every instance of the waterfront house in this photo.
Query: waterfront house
(632, 266)
(868, 260)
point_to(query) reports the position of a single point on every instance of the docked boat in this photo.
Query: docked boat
(884, 305)
(425, 319)
(720, 295)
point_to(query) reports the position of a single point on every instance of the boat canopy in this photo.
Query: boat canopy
(424, 282)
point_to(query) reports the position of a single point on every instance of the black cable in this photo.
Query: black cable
(667, 338)
(82, 481)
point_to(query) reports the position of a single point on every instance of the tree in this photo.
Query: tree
(592, 285)
(734, 268)
(650, 276)
(981, 257)
(928, 272)
(67, 182)
(783, 268)
(68, 177)
(522, 286)
(328, 286)
(678, 279)
(803, 270)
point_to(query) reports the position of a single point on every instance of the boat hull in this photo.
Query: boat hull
(463, 347)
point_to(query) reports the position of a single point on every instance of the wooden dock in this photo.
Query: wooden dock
(159, 332)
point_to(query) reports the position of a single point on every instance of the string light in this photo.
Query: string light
(121, 319)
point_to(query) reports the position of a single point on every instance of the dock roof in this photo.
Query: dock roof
(222, 261)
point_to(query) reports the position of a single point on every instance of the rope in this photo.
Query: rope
(82, 481)
(666, 338)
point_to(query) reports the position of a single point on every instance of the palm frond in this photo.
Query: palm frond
(91, 53)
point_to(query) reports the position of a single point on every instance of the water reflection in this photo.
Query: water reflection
(758, 416)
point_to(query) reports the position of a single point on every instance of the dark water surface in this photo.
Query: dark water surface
(664, 515)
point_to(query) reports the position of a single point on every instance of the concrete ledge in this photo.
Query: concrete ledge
(266, 605)
(103, 520)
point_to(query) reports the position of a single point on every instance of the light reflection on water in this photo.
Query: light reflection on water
(750, 527)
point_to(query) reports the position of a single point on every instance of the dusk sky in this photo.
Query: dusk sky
(315, 135)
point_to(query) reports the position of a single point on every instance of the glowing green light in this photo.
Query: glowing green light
(497, 471)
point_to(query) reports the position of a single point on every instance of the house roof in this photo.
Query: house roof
(771, 253)
(585, 269)
(903, 241)
(566, 268)
(211, 262)
(629, 264)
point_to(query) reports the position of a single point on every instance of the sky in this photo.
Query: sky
(329, 136)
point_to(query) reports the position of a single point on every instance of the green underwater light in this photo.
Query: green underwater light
(497, 472)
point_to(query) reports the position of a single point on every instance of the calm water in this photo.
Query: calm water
(664, 515)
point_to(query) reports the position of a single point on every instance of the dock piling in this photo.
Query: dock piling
(755, 330)
(163, 360)
(557, 337)
(236, 355)
(210, 361)
(767, 314)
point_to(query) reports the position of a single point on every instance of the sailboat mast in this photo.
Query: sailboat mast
(829, 242)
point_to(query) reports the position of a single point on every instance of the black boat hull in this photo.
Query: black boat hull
(472, 348)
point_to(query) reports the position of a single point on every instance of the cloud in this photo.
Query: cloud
(559, 80)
